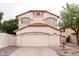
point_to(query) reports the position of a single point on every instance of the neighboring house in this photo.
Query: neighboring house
(37, 28)
(72, 34)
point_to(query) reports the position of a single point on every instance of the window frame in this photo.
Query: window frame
(24, 21)
(54, 20)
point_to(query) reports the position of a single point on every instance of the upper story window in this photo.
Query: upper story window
(25, 20)
(51, 21)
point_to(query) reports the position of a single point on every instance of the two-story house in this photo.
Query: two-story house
(37, 28)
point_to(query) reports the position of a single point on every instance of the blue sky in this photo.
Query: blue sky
(11, 9)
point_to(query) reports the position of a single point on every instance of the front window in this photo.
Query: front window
(25, 20)
(51, 21)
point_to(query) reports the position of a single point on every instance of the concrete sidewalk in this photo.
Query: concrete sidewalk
(34, 51)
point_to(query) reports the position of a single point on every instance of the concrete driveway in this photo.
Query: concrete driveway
(34, 51)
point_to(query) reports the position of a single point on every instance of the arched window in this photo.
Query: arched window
(25, 20)
(51, 21)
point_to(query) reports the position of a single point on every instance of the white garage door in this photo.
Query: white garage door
(34, 40)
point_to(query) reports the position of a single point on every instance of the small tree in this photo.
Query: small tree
(70, 18)
(10, 25)
(1, 15)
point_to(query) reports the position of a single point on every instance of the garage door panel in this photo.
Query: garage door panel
(34, 40)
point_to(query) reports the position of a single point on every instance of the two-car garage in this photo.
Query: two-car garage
(37, 39)
(38, 35)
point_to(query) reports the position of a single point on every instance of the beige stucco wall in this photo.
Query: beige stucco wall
(7, 40)
(73, 39)
(46, 15)
(38, 29)
(3, 40)
(12, 40)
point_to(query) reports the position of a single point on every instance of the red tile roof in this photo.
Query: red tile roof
(36, 11)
